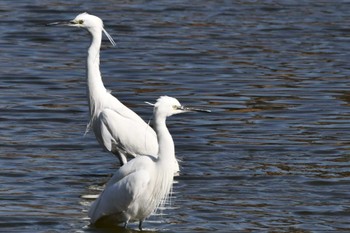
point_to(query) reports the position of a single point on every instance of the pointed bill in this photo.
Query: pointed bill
(195, 109)
(58, 23)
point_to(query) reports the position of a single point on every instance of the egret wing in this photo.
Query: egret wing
(114, 104)
(118, 196)
(103, 134)
(134, 165)
(130, 136)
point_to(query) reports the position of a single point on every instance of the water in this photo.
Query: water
(273, 156)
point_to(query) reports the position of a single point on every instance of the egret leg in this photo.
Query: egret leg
(121, 158)
(140, 225)
(125, 224)
(120, 155)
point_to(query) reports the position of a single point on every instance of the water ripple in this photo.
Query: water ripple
(271, 157)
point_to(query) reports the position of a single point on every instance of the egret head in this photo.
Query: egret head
(168, 106)
(91, 23)
(85, 20)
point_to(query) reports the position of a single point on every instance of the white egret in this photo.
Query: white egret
(143, 184)
(117, 128)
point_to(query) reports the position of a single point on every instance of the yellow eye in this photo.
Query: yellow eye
(81, 21)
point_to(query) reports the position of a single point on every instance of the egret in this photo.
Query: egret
(117, 128)
(139, 187)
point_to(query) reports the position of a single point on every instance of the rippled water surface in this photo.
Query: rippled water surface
(273, 156)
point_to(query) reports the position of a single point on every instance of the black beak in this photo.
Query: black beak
(61, 23)
(187, 109)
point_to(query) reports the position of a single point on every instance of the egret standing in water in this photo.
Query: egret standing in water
(143, 184)
(117, 128)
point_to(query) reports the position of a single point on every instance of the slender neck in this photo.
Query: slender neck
(93, 74)
(166, 152)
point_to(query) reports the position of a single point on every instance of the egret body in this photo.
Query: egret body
(117, 128)
(140, 186)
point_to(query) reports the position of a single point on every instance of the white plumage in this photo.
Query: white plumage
(117, 128)
(142, 184)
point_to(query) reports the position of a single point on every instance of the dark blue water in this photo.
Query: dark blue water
(273, 156)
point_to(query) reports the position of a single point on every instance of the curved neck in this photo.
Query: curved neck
(93, 74)
(166, 152)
